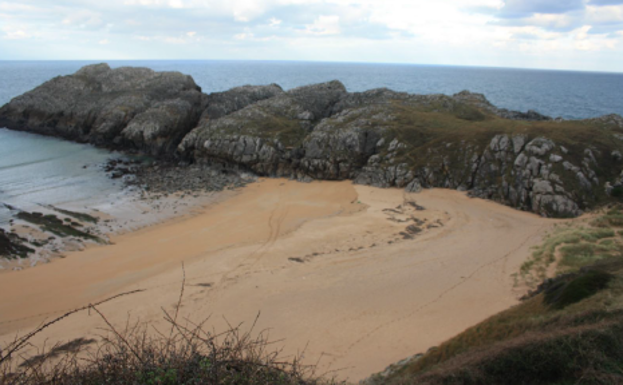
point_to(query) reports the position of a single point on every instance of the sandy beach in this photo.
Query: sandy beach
(360, 276)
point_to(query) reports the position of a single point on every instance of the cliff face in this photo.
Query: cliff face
(378, 137)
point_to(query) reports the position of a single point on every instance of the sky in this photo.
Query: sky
(555, 34)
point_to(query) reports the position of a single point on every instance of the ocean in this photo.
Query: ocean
(36, 170)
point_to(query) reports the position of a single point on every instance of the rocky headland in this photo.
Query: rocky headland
(553, 167)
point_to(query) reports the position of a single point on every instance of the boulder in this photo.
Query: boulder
(224, 103)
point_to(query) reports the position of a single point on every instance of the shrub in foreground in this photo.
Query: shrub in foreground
(184, 354)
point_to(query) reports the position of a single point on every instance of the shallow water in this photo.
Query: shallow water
(38, 170)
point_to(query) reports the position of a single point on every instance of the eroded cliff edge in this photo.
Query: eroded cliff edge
(552, 167)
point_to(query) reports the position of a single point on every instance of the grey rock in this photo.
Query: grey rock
(519, 142)
(97, 104)
(521, 161)
(570, 167)
(608, 188)
(611, 121)
(584, 182)
(319, 99)
(539, 146)
(220, 104)
(379, 96)
(542, 187)
(414, 186)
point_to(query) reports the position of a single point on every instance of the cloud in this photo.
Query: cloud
(550, 22)
(17, 34)
(602, 19)
(246, 35)
(104, 42)
(246, 10)
(608, 15)
(525, 8)
(606, 2)
(84, 19)
(533, 33)
(475, 32)
(176, 4)
(324, 25)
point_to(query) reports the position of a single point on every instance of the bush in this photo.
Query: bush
(186, 354)
(568, 292)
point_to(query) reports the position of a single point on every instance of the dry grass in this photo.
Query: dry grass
(574, 246)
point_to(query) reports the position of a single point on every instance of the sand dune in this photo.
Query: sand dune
(361, 276)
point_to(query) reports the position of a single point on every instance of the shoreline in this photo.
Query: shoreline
(150, 195)
(329, 265)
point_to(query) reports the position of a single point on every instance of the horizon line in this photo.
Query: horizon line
(319, 62)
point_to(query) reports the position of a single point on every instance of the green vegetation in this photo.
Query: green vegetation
(569, 291)
(269, 126)
(574, 246)
(428, 127)
(288, 131)
(576, 256)
(612, 218)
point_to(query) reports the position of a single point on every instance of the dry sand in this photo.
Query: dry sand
(329, 265)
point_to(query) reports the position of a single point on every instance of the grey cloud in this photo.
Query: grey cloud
(294, 19)
(525, 8)
(526, 36)
(608, 29)
(574, 20)
(606, 2)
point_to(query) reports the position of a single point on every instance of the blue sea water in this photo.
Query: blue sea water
(37, 170)
(568, 94)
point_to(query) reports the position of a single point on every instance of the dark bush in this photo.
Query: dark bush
(567, 292)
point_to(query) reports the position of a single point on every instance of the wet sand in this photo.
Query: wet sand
(331, 266)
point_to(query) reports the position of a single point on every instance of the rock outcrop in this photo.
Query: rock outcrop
(378, 137)
(130, 108)
(220, 104)
(265, 136)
